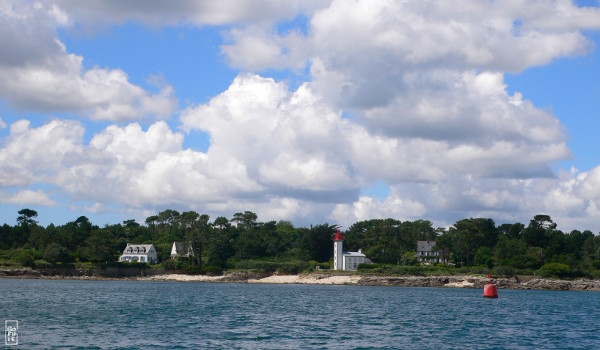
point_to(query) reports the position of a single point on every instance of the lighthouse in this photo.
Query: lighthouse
(338, 254)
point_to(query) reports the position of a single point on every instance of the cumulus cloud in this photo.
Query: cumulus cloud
(286, 140)
(367, 208)
(37, 73)
(32, 154)
(199, 13)
(360, 54)
(256, 48)
(294, 144)
(95, 208)
(27, 197)
(411, 94)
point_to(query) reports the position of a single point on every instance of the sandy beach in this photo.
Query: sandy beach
(274, 279)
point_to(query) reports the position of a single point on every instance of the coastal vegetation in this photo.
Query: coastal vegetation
(474, 245)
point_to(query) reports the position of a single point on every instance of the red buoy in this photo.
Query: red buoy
(490, 290)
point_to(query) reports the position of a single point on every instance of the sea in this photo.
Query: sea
(125, 314)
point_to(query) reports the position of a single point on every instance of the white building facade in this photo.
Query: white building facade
(143, 253)
(346, 261)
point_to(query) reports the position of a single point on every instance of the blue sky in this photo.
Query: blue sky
(308, 112)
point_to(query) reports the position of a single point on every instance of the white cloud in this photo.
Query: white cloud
(37, 73)
(257, 48)
(360, 53)
(199, 13)
(31, 154)
(286, 140)
(2, 124)
(367, 208)
(422, 84)
(27, 197)
(96, 208)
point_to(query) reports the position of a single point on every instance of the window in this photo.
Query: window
(143, 259)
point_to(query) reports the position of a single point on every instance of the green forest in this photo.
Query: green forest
(474, 245)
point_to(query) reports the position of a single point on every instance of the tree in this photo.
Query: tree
(168, 219)
(26, 223)
(467, 237)
(316, 243)
(537, 234)
(151, 222)
(55, 253)
(246, 220)
(220, 243)
(443, 244)
(511, 230)
(27, 217)
(102, 245)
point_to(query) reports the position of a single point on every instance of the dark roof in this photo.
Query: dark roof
(180, 247)
(137, 249)
(425, 246)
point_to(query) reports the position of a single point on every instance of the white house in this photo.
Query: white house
(347, 261)
(181, 249)
(426, 253)
(144, 253)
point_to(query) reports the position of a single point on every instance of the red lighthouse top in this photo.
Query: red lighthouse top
(338, 237)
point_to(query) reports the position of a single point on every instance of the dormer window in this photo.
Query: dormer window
(137, 250)
(143, 249)
(129, 250)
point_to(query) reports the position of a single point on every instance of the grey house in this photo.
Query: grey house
(181, 249)
(427, 254)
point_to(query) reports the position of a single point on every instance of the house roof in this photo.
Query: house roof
(354, 254)
(179, 247)
(425, 246)
(182, 249)
(137, 248)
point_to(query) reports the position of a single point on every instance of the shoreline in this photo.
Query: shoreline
(467, 281)
(444, 281)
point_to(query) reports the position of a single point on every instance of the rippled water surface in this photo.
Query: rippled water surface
(176, 315)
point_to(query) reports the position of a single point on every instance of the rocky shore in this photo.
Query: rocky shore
(517, 282)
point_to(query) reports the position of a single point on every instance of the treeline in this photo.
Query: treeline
(507, 249)
(243, 242)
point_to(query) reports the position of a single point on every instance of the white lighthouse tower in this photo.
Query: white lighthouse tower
(338, 255)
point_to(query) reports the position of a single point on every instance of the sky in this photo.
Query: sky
(308, 111)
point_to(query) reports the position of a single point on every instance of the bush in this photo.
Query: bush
(556, 270)
(388, 269)
(24, 257)
(41, 263)
(504, 271)
(368, 266)
(315, 265)
(292, 268)
(212, 270)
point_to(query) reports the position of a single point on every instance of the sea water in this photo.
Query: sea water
(179, 315)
